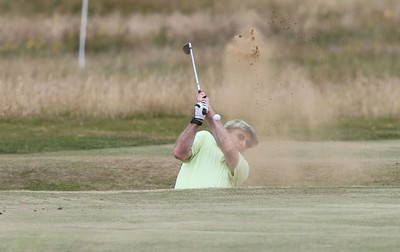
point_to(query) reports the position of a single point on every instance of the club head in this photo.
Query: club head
(187, 47)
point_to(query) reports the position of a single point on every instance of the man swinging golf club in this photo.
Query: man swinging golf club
(212, 159)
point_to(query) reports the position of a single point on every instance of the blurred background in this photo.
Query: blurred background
(316, 61)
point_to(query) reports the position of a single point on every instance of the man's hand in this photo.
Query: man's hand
(200, 109)
(200, 112)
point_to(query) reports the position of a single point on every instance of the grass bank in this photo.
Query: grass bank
(273, 163)
(71, 133)
(52, 134)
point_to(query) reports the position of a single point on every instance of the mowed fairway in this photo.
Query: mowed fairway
(310, 196)
(257, 219)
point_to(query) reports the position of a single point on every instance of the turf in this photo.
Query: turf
(60, 133)
(252, 219)
(34, 135)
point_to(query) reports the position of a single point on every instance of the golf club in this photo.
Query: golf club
(188, 49)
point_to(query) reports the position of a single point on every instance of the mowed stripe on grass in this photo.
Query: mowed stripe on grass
(248, 219)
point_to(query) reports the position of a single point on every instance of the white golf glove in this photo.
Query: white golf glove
(200, 111)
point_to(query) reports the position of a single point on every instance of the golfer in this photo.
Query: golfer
(212, 160)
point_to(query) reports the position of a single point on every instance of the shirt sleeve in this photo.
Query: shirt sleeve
(241, 172)
(197, 143)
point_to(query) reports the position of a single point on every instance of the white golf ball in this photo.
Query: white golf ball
(217, 117)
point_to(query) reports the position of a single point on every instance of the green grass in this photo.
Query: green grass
(71, 133)
(350, 129)
(370, 129)
(101, 7)
(66, 133)
(258, 219)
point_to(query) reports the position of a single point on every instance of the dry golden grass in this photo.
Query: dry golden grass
(276, 98)
(151, 75)
(41, 88)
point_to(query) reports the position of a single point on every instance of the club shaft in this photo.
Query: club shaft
(194, 70)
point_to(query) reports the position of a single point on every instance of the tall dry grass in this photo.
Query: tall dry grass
(278, 99)
(41, 88)
(149, 73)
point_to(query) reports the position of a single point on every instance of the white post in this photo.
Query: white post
(82, 37)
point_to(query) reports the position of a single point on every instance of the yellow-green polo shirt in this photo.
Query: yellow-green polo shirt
(207, 168)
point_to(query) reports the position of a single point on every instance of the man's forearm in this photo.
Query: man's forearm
(219, 132)
(224, 142)
(183, 145)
